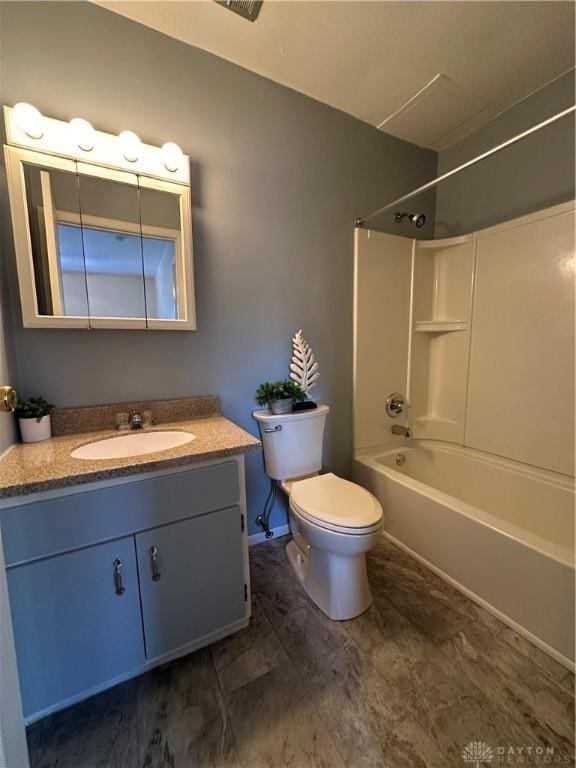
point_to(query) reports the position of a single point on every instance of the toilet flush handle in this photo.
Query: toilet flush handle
(276, 428)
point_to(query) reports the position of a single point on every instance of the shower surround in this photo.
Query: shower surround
(481, 341)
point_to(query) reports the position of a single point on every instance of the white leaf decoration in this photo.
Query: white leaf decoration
(303, 368)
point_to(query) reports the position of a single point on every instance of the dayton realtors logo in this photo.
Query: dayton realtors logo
(477, 753)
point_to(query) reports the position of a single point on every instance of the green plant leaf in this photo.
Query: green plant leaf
(279, 390)
(34, 408)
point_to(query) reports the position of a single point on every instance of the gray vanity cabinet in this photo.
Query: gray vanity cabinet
(191, 579)
(77, 621)
(108, 582)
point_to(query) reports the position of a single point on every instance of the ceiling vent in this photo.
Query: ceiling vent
(248, 9)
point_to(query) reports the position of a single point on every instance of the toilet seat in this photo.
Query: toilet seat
(339, 529)
(335, 504)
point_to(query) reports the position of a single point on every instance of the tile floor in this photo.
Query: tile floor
(406, 685)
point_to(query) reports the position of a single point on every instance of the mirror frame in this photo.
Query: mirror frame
(15, 160)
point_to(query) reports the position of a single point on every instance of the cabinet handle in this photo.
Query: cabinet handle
(120, 589)
(156, 575)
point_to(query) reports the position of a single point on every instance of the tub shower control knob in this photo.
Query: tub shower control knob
(395, 405)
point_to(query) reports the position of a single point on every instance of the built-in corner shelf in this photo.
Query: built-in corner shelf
(440, 326)
(446, 242)
(430, 419)
(432, 427)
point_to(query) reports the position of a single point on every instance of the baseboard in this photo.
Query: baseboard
(257, 538)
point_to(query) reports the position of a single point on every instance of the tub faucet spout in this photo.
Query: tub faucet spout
(398, 429)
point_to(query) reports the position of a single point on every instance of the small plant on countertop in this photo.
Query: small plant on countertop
(34, 419)
(34, 408)
(280, 395)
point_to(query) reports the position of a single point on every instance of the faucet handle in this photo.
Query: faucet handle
(395, 405)
(122, 421)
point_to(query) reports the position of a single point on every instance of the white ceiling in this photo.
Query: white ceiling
(468, 60)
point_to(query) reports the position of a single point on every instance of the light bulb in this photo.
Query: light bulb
(28, 119)
(83, 133)
(131, 145)
(172, 156)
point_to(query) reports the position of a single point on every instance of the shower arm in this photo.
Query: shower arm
(361, 221)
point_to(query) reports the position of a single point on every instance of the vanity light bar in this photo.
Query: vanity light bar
(82, 132)
(78, 140)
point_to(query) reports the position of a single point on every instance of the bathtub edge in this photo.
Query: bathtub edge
(488, 607)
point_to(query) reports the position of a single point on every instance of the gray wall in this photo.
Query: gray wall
(277, 181)
(7, 420)
(7, 363)
(535, 173)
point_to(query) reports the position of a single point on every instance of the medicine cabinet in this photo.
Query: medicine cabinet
(99, 247)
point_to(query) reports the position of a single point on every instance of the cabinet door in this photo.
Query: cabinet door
(73, 625)
(191, 579)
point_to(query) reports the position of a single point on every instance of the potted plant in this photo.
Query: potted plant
(34, 419)
(280, 395)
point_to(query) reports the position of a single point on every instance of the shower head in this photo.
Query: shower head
(418, 219)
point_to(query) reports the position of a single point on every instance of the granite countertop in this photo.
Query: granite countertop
(32, 467)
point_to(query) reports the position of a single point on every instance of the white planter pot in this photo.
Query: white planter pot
(281, 406)
(35, 430)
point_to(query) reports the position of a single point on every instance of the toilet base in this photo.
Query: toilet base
(337, 583)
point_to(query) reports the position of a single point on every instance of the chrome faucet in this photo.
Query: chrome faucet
(128, 420)
(398, 429)
(135, 420)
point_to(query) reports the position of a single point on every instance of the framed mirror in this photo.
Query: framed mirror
(98, 247)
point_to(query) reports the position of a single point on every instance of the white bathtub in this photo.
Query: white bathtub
(501, 532)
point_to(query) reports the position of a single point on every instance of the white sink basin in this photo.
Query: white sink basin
(134, 444)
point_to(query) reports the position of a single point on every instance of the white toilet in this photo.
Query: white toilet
(333, 522)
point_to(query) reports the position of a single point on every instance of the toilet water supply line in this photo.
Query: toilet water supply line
(263, 520)
(362, 220)
(304, 371)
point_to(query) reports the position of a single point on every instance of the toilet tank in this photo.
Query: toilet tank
(292, 442)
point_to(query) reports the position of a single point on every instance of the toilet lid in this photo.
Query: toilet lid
(330, 499)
